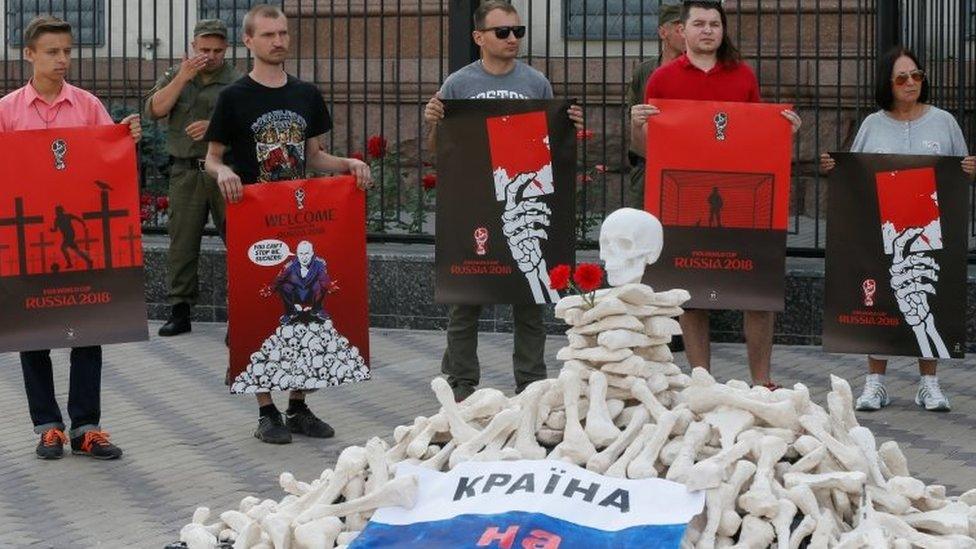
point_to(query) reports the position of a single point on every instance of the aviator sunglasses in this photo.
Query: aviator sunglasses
(917, 75)
(502, 32)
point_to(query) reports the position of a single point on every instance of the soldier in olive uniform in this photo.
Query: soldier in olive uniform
(672, 46)
(187, 94)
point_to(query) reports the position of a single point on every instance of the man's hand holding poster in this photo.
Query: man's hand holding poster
(296, 262)
(70, 239)
(505, 208)
(718, 178)
(896, 256)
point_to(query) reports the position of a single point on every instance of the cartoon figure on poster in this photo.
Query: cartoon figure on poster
(305, 351)
(910, 228)
(521, 163)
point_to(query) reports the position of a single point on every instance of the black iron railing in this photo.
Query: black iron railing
(378, 61)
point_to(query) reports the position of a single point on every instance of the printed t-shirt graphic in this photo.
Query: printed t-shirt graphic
(908, 199)
(279, 141)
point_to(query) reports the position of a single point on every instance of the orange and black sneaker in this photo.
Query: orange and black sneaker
(52, 444)
(95, 444)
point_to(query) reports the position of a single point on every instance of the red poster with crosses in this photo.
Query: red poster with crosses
(297, 286)
(71, 270)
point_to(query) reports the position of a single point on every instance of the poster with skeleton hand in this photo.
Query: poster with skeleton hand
(505, 208)
(296, 261)
(896, 256)
(71, 265)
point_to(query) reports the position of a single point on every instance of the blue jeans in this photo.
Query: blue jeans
(84, 394)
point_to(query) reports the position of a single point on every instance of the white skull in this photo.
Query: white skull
(300, 330)
(629, 240)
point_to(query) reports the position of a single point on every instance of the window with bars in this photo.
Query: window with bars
(610, 19)
(87, 18)
(231, 12)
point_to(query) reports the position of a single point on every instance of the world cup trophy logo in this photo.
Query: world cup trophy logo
(721, 121)
(481, 241)
(60, 149)
(869, 288)
(300, 198)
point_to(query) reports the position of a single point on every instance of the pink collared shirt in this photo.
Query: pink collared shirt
(24, 109)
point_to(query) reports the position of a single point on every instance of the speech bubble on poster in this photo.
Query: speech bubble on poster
(269, 252)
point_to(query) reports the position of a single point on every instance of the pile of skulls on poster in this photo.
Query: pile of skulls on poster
(777, 468)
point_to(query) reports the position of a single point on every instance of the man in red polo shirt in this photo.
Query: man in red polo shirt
(710, 70)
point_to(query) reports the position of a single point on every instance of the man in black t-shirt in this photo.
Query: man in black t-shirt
(273, 124)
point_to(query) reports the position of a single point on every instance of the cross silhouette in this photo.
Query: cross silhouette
(132, 237)
(105, 213)
(3, 248)
(43, 244)
(86, 242)
(21, 221)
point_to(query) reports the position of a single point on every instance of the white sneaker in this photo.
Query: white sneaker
(875, 396)
(930, 395)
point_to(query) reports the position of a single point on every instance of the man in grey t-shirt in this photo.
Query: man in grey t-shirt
(497, 75)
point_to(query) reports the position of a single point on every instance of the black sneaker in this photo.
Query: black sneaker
(96, 445)
(305, 422)
(271, 429)
(52, 444)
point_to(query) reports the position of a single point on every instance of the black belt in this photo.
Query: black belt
(197, 163)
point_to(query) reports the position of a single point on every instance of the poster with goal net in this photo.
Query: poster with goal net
(718, 178)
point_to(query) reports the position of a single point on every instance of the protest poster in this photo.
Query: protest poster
(505, 200)
(297, 288)
(532, 503)
(71, 272)
(897, 243)
(718, 179)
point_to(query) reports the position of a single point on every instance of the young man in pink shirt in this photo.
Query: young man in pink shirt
(47, 101)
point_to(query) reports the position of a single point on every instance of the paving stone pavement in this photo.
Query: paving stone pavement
(188, 443)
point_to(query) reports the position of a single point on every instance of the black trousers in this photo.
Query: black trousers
(84, 394)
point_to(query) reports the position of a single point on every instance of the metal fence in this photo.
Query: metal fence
(378, 61)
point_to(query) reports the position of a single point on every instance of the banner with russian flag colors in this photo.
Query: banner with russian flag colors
(541, 504)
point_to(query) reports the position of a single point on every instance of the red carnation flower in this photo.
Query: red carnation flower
(376, 146)
(145, 212)
(357, 155)
(588, 276)
(583, 135)
(162, 202)
(584, 178)
(559, 277)
(601, 168)
(145, 199)
(429, 181)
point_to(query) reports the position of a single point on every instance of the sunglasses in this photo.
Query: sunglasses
(502, 33)
(902, 78)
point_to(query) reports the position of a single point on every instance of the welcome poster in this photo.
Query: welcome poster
(296, 272)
